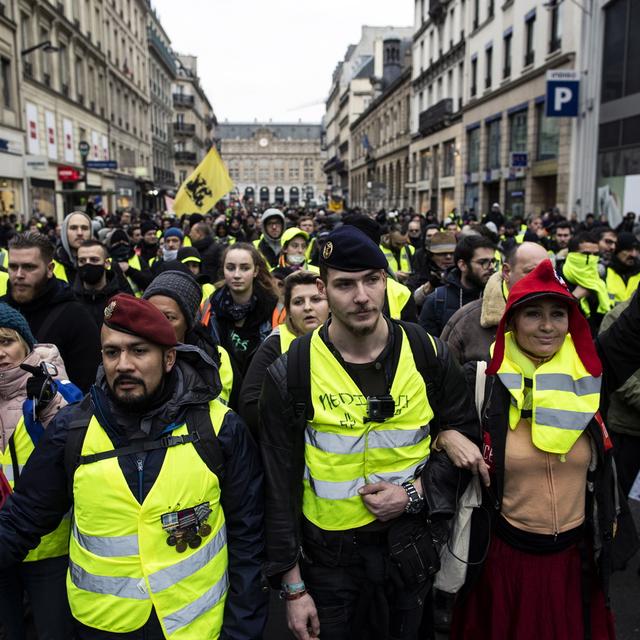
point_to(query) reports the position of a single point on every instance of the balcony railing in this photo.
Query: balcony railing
(184, 128)
(182, 100)
(436, 117)
(185, 156)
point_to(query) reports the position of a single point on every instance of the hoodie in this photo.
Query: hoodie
(64, 254)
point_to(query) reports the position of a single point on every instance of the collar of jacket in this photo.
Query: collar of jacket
(493, 302)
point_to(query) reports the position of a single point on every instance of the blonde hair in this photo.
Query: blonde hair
(12, 334)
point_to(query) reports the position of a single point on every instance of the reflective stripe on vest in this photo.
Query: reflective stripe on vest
(343, 452)
(565, 397)
(56, 543)
(134, 262)
(397, 296)
(226, 375)
(617, 287)
(120, 563)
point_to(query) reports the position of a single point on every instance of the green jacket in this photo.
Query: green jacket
(624, 408)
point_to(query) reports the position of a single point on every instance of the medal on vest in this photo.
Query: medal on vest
(187, 527)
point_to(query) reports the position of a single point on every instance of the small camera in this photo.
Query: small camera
(380, 408)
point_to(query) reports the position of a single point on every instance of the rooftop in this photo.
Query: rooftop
(284, 131)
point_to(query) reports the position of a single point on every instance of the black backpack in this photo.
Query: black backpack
(200, 433)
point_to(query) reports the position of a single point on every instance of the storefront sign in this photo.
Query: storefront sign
(68, 174)
(35, 165)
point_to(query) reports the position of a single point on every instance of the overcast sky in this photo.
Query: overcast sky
(272, 58)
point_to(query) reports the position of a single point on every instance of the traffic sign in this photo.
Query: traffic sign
(84, 147)
(563, 92)
(102, 164)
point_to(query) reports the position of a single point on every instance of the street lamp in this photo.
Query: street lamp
(46, 46)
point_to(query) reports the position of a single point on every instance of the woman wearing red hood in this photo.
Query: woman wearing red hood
(558, 525)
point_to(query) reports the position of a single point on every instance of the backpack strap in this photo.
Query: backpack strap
(76, 431)
(206, 442)
(299, 376)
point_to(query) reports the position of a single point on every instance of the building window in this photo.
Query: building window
(529, 54)
(491, 8)
(448, 158)
(5, 78)
(474, 75)
(473, 150)
(518, 131)
(471, 193)
(476, 13)
(555, 28)
(294, 173)
(506, 69)
(488, 65)
(308, 170)
(424, 165)
(493, 145)
(547, 147)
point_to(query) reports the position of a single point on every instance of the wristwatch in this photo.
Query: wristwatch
(416, 503)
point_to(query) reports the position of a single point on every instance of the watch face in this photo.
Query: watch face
(263, 142)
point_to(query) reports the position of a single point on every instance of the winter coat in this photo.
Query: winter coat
(211, 255)
(442, 303)
(471, 330)
(623, 415)
(95, 301)
(56, 317)
(608, 522)
(36, 507)
(13, 390)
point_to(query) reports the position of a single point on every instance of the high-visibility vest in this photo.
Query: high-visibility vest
(207, 291)
(344, 451)
(397, 296)
(134, 262)
(59, 271)
(56, 543)
(226, 375)
(278, 316)
(4, 282)
(120, 564)
(405, 258)
(3, 257)
(617, 287)
(564, 396)
(286, 337)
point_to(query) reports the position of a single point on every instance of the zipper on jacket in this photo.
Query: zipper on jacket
(140, 467)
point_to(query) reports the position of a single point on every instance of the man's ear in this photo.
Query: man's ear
(50, 268)
(170, 356)
(462, 265)
(506, 271)
(322, 289)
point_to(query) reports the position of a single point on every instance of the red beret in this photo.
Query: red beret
(139, 318)
(543, 282)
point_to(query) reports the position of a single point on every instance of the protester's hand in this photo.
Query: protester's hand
(302, 618)
(124, 266)
(384, 500)
(464, 453)
(40, 387)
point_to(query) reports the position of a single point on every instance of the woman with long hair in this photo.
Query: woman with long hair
(240, 310)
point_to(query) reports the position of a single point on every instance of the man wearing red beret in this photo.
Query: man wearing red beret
(166, 491)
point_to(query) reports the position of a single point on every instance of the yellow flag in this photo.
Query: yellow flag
(204, 187)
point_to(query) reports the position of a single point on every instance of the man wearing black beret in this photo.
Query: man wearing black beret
(347, 422)
(166, 489)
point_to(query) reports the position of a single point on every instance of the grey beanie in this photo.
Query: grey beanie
(181, 287)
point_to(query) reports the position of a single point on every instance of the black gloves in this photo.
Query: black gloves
(40, 386)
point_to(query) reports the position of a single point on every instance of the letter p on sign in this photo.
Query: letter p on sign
(563, 92)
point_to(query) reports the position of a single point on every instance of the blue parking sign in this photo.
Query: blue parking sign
(563, 93)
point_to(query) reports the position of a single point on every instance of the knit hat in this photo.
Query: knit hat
(442, 242)
(181, 287)
(146, 226)
(189, 254)
(544, 282)
(626, 241)
(117, 236)
(365, 224)
(194, 218)
(173, 232)
(12, 319)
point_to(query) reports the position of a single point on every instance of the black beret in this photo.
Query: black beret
(349, 249)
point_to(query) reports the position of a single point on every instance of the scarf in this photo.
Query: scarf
(227, 308)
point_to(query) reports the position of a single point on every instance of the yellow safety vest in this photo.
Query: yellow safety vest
(120, 565)
(4, 282)
(56, 543)
(564, 395)
(405, 258)
(59, 271)
(397, 295)
(226, 375)
(618, 289)
(134, 262)
(286, 337)
(343, 452)
(3, 257)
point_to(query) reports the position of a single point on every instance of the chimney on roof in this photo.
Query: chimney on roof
(391, 62)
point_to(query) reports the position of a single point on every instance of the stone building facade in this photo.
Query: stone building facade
(274, 163)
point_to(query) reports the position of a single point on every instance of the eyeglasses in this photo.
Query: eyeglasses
(486, 263)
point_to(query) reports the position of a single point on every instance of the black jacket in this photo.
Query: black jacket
(58, 318)
(95, 301)
(608, 522)
(267, 252)
(442, 303)
(282, 447)
(36, 507)
(64, 259)
(211, 254)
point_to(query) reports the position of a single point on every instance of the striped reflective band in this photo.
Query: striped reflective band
(107, 546)
(180, 570)
(379, 439)
(8, 472)
(511, 380)
(349, 488)
(132, 588)
(563, 382)
(195, 609)
(561, 419)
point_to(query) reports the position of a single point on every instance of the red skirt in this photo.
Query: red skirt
(522, 596)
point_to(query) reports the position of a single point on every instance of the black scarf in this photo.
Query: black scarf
(225, 307)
